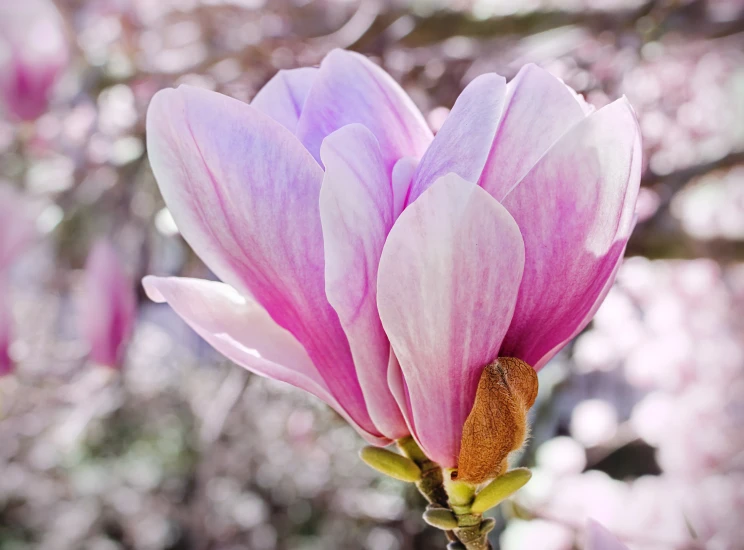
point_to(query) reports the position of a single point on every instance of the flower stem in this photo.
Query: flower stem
(431, 485)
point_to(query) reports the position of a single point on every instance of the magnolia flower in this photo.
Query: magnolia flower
(599, 538)
(107, 306)
(381, 268)
(33, 53)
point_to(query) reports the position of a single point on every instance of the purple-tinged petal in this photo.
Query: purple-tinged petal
(244, 332)
(599, 538)
(539, 110)
(283, 97)
(462, 144)
(17, 226)
(244, 193)
(401, 179)
(447, 285)
(574, 209)
(350, 88)
(356, 210)
(108, 306)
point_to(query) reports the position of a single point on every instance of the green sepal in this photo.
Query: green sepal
(500, 489)
(391, 464)
(441, 518)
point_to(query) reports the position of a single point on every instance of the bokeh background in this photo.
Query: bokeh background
(639, 423)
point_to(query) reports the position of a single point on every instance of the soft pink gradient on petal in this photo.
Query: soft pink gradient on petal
(244, 192)
(108, 306)
(599, 538)
(447, 286)
(462, 144)
(572, 209)
(283, 97)
(539, 110)
(350, 88)
(6, 328)
(356, 210)
(243, 331)
(17, 225)
(540, 363)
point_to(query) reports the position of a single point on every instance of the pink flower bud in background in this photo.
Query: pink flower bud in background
(382, 268)
(33, 53)
(108, 306)
(599, 538)
(6, 322)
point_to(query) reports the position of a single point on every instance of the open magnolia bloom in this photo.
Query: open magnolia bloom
(381, 268)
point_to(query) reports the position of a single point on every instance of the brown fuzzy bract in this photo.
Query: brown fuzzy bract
(497, 424)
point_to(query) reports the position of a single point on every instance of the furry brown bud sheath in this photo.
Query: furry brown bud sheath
(497, 424)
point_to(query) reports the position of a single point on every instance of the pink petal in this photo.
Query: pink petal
(356, 209)
(574, 210)
(283, 97)
(540, 363)
(447, 286)
(244, 193)
(462, 144)
(108, 306)
(599, 538)
(539, 110)
(244, 332)
(350, 88)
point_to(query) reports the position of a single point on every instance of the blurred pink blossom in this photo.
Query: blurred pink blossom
(599, 538)
(33, 53)
(6, 322)
(381, 268)
(107, 307)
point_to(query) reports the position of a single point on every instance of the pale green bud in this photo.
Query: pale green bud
(441, 518)
(500, 489)
(391, 464)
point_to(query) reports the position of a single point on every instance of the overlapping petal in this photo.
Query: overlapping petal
(244, 192)
(539, 109)
(356, 209)
(350, 88)
(242, 331)
(283, 97)
(575, 211)
(462, 144)
(447, 287)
